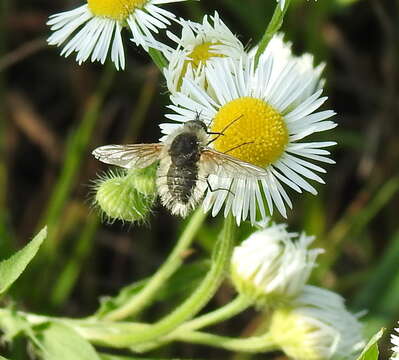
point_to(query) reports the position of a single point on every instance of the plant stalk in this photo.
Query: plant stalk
(145, 297)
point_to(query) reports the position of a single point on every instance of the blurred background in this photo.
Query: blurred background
(53, 113)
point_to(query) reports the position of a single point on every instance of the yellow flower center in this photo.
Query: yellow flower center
(115, 9)
(202, 53)
(253, 131)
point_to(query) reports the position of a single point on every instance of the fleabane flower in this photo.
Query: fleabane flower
(94, 29)
(198, 45)
(262, 115)
(395, 343)
(317, 327)
(272, 266)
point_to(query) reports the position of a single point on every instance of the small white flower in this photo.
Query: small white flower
(263, 113)
(395, 343)
(272, 266)
(198, 45)
(95, 28)
(317, 327)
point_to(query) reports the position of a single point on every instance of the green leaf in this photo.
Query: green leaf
(12, 325)
(3, 358)
(184, 281)
(13, 267)
(158, 58)
(60, 342)
(380, 295)
(370, 352)
(111, 303)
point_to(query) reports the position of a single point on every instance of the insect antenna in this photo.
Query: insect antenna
(223, 130)
(198, 115)
(238, 146)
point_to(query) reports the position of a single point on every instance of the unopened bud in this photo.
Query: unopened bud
(272, 266)
(118, 197)
(144, 179)
(317, 327)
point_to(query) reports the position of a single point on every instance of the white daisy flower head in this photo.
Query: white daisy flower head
(94, 29)
(262, 114)
(317, 327)
(272, 266)
(198, 45)
(395, 343)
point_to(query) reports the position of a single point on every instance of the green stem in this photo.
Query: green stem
(113, 334)
(67, 279)
(75, 151)
(191, 306)
(158, 58)
(174, 261)
(239, 304)
(254, 344)
(272, 28)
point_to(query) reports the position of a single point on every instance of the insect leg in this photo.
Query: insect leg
(214, 190)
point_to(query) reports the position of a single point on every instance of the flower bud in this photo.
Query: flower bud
(119, 198)
(317, 327)
(143, 180)
(272, 265)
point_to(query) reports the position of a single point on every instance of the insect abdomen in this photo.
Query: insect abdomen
(178, 175)
(181, 181)
(180, 189)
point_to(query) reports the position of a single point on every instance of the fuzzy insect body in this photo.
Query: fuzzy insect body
(185, 162)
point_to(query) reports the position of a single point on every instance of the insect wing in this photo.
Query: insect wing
(129, 156)
(225, 165)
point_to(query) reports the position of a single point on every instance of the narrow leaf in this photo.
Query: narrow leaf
(59, 342)
(370, 352)
(13, 267)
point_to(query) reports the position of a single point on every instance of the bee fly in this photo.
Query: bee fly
(185, 162)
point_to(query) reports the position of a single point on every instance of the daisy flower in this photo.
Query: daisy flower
(272, 266)
(264, 113)
(198, 45)
(94, 29)
(395, 347)
(317, 327)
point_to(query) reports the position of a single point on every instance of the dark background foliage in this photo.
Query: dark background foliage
(54, 112)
